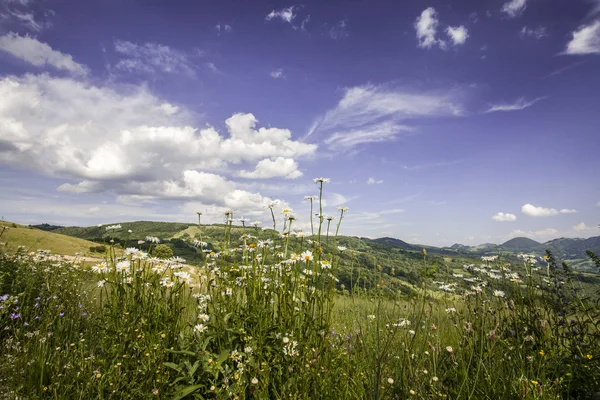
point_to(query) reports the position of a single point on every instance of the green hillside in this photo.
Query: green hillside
(33, 239)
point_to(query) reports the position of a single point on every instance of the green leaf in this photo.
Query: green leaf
(185, 391)
(173, 366)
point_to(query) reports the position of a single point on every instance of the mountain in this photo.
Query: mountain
(521, 244)
(397, 243)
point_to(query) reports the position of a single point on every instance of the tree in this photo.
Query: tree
(162, 251)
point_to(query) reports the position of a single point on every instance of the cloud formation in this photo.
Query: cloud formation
(533, 211)
(373, 181)
(153, 58)
(273, 167)
(426, 27)
(39, 54)
(277, 74)
(514, 8)
(585, 40)
(504, 217)
(536, 33)
(285, 14)
(458, 34)
(131, 143)
(375, 113)
(518, 105)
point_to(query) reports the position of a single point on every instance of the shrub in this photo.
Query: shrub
(162, 251)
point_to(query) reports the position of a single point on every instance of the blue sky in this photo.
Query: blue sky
(463, 121)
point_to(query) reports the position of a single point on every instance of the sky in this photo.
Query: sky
(439, 122)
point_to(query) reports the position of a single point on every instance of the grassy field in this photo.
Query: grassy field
(270, 318)
(34, 239)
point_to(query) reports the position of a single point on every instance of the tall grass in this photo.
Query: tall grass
(268, 319)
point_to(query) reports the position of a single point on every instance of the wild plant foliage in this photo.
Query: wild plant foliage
(268, 318)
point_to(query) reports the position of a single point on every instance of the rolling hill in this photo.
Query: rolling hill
(33, 239)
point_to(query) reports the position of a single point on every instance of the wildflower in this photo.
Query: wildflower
(371, 317)
(343, 208)
(535, 383)
(449, 349)
(498, 293)
(435, 379)
(412, 392)
(155, 391)
(342, 248)
(184, 277)
(152, 239)
(322, 180)
(98, 375)
(286, 340)
(273, 204)
(310, 197)
(589, 356)
(101, 283)
(166, 282)
(286, 211)
(254, 381)
(123, 266)
(542, 353)
(203, 317)
(411, 332)
(450, 310)
(99, 268)
(307, 255)
(201, 328)
(139, 255)
(390, 381)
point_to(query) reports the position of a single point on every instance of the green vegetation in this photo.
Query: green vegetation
(272, 314)
(33, 239)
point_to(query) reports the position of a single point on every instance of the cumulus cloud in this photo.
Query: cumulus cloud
(533, 211)
(504, 217)
(373, 181)
(273, 167)
(131, 143)
(285, 14)
(426, 27)
(579, 227)
(458, 34)
(375, 113)
(277, 74)
(518, 105)
(152, 58)
(585, 40)
(536, 33)
(514, 8)
(40, 54)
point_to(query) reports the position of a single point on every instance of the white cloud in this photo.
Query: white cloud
(520, 104)
(502, 217)
(567, 211)
(152, 58)
(514, 8)
(373, 113)
(343, 140)
(39, 54)
(373, 181)
(271, 168)
(277, 74)
(586, 40)
(458, 34)
(540, 234)
(533, 211)
(285, 14)
(426, 26)
(598, 204)
(579, 227)
(536, 33)
(130, 142)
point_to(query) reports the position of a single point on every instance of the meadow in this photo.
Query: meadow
(268, 317)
